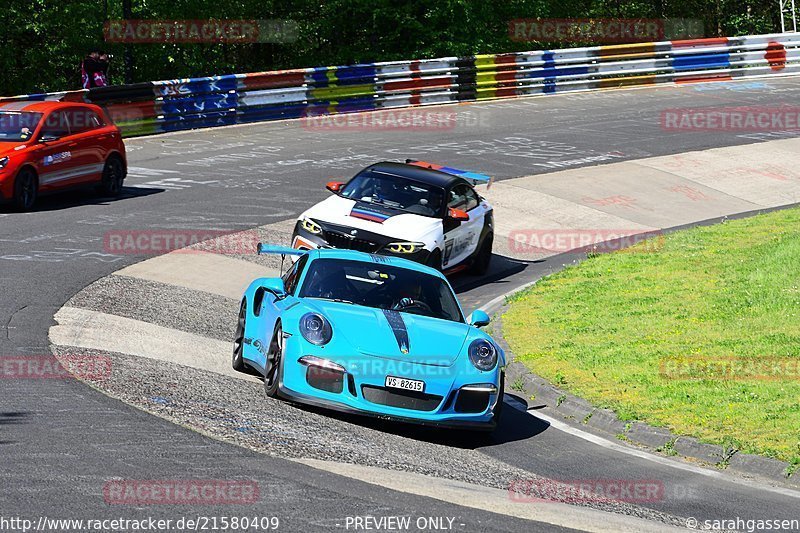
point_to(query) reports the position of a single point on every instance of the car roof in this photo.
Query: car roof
(353, 255)
(40, 106)
(420, 174)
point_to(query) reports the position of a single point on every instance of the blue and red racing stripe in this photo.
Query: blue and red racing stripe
(369, 214)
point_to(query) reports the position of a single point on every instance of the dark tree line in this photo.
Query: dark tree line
(43, 41)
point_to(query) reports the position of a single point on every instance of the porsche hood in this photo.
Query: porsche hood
(394, 335)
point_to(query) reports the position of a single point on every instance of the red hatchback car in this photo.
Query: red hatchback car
(51, 146)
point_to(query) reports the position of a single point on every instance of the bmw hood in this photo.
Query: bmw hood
(373, 218)
(394, 335)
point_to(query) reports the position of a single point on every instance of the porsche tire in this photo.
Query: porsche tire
(498, 408)
(274, 367)
(238, 340)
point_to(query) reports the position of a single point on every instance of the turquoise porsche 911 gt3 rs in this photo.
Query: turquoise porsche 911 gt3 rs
(373, 335)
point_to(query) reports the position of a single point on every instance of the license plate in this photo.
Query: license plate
(405, 384)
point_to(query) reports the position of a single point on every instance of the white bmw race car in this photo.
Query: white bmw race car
(420, 211)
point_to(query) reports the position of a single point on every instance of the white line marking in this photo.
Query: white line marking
(605, 443)
(490, 499)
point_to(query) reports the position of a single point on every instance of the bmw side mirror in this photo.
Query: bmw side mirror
(478, 318)
(457, 214)
(334, 186)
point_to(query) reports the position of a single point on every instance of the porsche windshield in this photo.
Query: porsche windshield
(395, 192)
(381, 286)
(18, 126)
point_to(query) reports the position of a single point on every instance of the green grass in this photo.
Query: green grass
(602, 330)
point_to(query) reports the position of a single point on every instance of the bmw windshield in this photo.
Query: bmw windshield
(394, 192)
(18, 126)
(381, 286)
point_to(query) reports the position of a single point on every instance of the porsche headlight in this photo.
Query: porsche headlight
(405, 247)
(310, 226)
(315, 329)
(483, 354)
(3, 162)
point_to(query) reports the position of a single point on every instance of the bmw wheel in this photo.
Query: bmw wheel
(435, 259)
(484, 257)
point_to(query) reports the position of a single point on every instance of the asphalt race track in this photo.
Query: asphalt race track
(61, 441)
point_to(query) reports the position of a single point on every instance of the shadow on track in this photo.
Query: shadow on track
(80, 197)
(502, 267)
(514, 425)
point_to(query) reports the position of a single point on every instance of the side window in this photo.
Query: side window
(292, 276)
(463, 197)
(458, 197)
(472, 199)
(55, 125)
(83, 120)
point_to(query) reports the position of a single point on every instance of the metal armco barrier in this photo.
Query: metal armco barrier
(172, 105)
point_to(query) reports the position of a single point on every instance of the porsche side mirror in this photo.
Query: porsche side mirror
(274, 286)
(457, 214)
(334, 186)
(478, 318)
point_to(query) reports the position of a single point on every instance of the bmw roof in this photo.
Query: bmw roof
(353, 255)
(412, 172)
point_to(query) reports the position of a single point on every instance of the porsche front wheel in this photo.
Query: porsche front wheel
(238, 340)
(274, 366)
(498, 408)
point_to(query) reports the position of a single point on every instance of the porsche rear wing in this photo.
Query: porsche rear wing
(474, 176)
(264, 249)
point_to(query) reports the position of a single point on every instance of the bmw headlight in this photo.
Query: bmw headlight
(310, 226)
(3, 162)
(483, 354)
(315, 329)
(405, 247)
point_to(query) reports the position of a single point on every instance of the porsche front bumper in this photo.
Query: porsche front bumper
(455, 396)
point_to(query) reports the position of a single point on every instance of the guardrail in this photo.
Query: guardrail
(161, 106)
